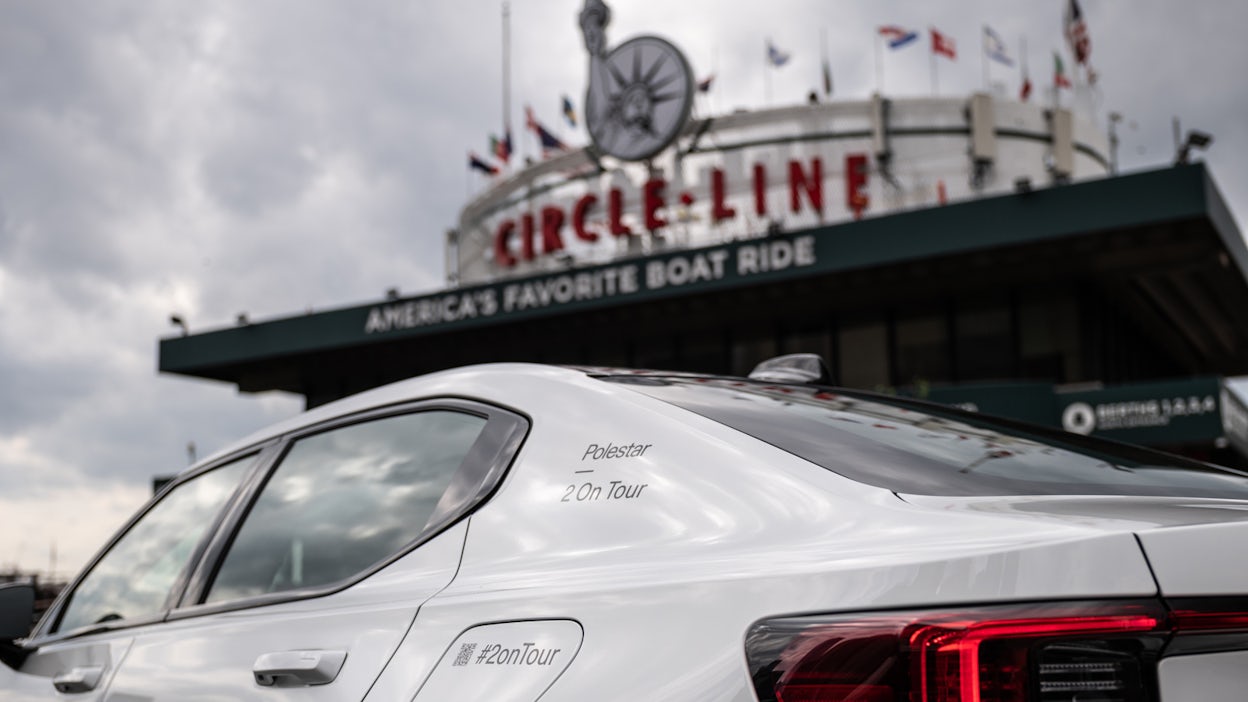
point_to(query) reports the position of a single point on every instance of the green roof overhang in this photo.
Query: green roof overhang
(1154, 225)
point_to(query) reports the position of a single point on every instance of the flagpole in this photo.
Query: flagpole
(879, 63)
(983, 56)
(1022, 59)
(932, 55)
(714, 74)
(766, 73)
(1057, 89)
(824, 68)
(507, 79)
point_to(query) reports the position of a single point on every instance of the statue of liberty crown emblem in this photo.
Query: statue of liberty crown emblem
(639, 93)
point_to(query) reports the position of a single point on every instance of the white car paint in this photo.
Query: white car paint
(654, 563)
(724, 534)
(213, 656)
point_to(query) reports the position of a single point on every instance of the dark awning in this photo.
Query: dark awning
(1159, 246)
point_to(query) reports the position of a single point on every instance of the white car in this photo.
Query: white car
(520, 532)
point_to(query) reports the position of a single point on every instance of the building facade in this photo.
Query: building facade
(974, 251)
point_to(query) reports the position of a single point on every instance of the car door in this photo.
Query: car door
(312, 585)
(82, 641)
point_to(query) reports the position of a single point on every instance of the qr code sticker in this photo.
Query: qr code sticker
(465, 654)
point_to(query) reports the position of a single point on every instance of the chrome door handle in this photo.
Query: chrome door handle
(82, 679)
(298, 668)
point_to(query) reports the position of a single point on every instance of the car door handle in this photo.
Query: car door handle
(82, 679)
(298, 668)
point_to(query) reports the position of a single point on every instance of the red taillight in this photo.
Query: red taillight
(1034, 653)
(1193, 620)
(949, 655)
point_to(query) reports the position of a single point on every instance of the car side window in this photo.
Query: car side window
(135, 578)
(343, 500)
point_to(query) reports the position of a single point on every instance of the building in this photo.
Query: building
(973, 251)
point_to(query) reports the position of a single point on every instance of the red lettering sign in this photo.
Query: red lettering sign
(805, 183)
(502, 237)
(813, 185)
(760, 189)
(552, 222)
(719, 210)
(856, 184)
(579, 212)
(652, 201)
(615, 213)
(526, 237)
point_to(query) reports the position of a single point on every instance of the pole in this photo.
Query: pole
(825, 69)
(710, 106)
(879, 63)
(1114, 119)
(1057, 89)
(932, 55)
(983, 56)
(1022, 57)
(767, 73)
(507, 74)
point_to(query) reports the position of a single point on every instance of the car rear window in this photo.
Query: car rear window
(917, 448)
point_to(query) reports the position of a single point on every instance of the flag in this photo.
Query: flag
(1077, 33)
(569, 113)
(501, 148)
(995, 48)
(476, 162)
(704, 85)
(775, 56)
(943, 45)
(827, 78)
(897, 37)
(1025, 92)
(1059, 72)
(549, 141)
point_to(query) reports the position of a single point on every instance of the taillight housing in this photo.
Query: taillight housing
(1053, 652)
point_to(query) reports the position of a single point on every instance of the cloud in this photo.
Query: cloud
(214, 158)
(62, 531)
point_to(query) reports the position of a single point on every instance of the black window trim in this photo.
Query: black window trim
(496, 449)
(261, 454)
(485, 465)
(1045, 434)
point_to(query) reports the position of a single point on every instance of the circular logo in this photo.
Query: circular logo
(638, 99)
(1079, 418)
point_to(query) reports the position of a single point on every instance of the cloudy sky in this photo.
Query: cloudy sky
(271, 156)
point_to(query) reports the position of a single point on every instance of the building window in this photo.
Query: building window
(816, 341)
(984, 348)
(1049, 337)
(923, 350)
(863, 355)
(751, 347)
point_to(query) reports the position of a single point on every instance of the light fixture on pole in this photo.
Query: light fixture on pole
(1195, 140)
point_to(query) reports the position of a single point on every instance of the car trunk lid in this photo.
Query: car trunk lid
(1190, 543)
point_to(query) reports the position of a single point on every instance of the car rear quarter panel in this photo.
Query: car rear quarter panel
(671, 552)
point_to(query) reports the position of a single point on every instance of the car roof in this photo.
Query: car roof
(473, 382)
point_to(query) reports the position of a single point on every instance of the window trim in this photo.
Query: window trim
(260, 454)
(485, 465)
(1052, 436)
